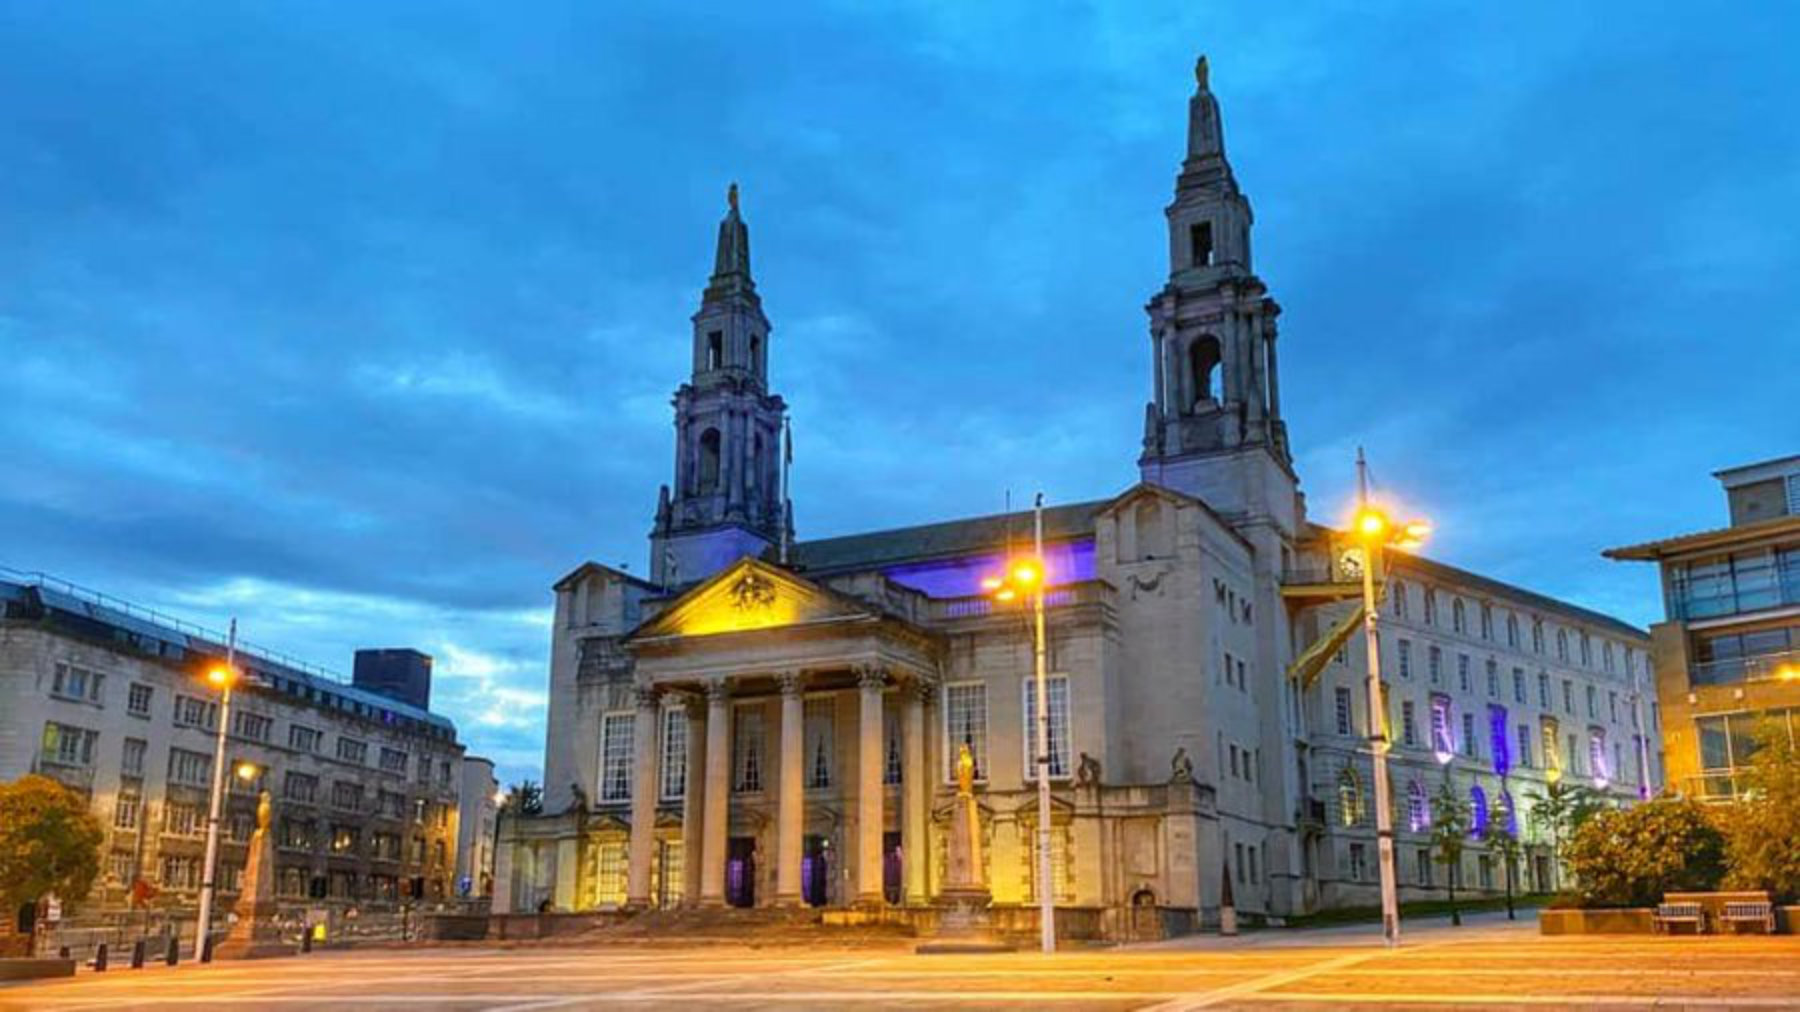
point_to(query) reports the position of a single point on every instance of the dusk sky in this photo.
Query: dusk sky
(360, 321)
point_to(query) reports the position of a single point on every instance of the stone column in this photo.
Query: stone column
(870, 681)
(915, 796)
(1274, 370)
(714, 823)
(643, 798)
(791, 821)
(693, 802)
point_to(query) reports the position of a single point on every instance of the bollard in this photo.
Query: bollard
(100, 958)
(62, 953)
(306, 938)
(174, 955)
(137, 954)
(206, 950)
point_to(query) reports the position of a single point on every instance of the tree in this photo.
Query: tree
(1449, 834)
(49, 843)
(1558, 811)
(1503, 839)
(1630, 857)
(1763, 827)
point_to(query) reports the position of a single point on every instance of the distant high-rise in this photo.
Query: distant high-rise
(396, 672)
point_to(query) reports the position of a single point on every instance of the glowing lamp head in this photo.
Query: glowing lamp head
(246, 771)
(992, 584)
(1371, 523)
(1025, 573)
(1788, 673)
(219, 676)
(1005, 594)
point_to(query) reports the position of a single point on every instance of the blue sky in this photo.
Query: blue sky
(359, 321)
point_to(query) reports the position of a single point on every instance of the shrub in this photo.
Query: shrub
(1631, 857)
(1762, 830)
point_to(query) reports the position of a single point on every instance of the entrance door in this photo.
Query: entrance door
(891, 867)
(740, 872)
(815, 870)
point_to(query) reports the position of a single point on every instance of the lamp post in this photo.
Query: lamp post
(1029, 576)
(1376, 532)
(223, 678)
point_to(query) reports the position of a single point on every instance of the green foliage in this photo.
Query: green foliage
(1560, 809)
(49, 842)
(1630, 857)
(1449, 826)
(1762, 830)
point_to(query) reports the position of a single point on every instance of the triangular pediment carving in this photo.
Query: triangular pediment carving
(746, 596)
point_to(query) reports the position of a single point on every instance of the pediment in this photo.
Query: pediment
(746, 596)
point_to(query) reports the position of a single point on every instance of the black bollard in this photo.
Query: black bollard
(100, 958)
(174, 955)
(306, 938)
(137, 954)
(62, 953)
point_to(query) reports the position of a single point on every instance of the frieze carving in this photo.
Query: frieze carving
(870, 676)
(752, 592)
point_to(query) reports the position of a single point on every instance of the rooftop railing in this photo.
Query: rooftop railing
(1065, 596)
(1733, 670)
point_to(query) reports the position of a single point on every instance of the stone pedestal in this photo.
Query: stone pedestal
(255, 935)
(963, 920)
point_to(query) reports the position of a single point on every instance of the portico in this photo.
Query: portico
(757, 645)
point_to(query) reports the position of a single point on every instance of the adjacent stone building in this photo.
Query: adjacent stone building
(771, 721)
(1727, 655)
(112, 701)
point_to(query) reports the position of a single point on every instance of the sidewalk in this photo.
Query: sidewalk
(1487, 926)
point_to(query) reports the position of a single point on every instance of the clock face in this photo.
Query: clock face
(1350, 563)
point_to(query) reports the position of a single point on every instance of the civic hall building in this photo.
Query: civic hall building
(771, 722)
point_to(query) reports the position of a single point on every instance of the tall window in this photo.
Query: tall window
(1512, 631)
(709, 460)
(965, 723)
(1342, 698)
(892, 768)
(609, 873)
(1418, 814)
(1462, 672)
(125, 811)
(673, 768)
(1493, 678)
(1350, 797)
(1406, 658)
(1399, 599)
(1519, 685)
(1409, 725)
(747, 741)
(1434, 664)
(191, 768)
(1058, 688)
(1441, 738)
(616, 733)
(1544, 689)
(137, 700)
(1487, 620)
(1459, 616)
(1525, 746)
(131, 762)
(1200, 243)
(1478, 811)
(1537, 635)
(1203, 361)
(1552, 754)
(1562, 645)
(1430, 605)
(1471, 746)
(820, 713)
(1598, 765)
(1499, 747)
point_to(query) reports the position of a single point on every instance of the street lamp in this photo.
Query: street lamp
(1027, 576)
(1376, 532)
(221, 677)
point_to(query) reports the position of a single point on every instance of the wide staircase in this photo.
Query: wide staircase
(759, 925)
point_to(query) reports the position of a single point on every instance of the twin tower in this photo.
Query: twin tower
(1212, 427)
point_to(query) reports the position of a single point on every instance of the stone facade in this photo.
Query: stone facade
(778, 725)
(116, 706)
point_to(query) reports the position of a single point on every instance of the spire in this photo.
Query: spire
(1206, 134)
(731, 264)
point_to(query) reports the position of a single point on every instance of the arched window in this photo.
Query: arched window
(1203, 359)
(753, 477)
(1399, 594)
(1459, 615)
(1478, 811)
(709, 460)
(1350, 797)
(756, 363)
(1562, 645)
(1509, 815)
(1418, 810)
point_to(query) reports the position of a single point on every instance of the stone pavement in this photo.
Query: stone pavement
(1483, 965)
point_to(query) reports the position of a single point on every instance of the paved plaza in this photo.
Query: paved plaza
(1483, 965)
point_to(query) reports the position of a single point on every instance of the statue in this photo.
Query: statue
(731, 192)
(965, 771)
(256, 933)
(578, 799)
(1087, 771)
(1181, 768)
(1200, 73)
(963, 923)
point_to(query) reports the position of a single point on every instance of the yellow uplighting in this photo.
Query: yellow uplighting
(1005, 594)
(751, 599)
(1788, 672)
(246, 771)
(992, 583)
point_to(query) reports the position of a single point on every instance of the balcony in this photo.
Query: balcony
(1719, 593)
(1737, 670)
(1086, 592)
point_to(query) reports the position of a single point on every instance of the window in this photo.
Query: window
(191, 712)
(1459, 618)
(1058, 688)
(303, 739)
(1598, 766)
(240, 828)
(1606, 655)
(1519, 685)
(715, 349)
(1418, 813)
(191, 768)
(616, 733)
(1562, 645)
(1430, 596)
(1587, 651)
(1409, 725)
(1487, 621)
(1441, 742)
(747, 740)
(673, 768)
(1200, 243)
(1525, 746)
(1493, 678)
(820, 717)
(1512, 631)
(1593, 703)
(1359, 862)
(1552, 754)
(180, 873)
(709, 460)
(253, 726)
(69, 746)
(1544, 689)
(1344, 725)
(1462, 672)
(965, 723)
(1399, 599)
(137, 700)
(119, 865)
(1423, 860)
(301, 787)
(1537, 635)
(1350, 797)
(1478, 811)
(125, 810)
(346, 796)
(131, 763)
(78, 683)
(1568, 696)
(1484, 866)
(390, 804)
(892, 771)
(1434, 664)
(1471, 746)
(1406, 658)
(181, 819)
(609, 874)
(352, 751)
(296, 834)
(345, 839)
(1612, 706)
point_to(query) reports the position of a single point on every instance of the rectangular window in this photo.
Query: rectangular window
(1525, 746)
(137, 700)
(1423, 859)
(1462, 672)
(1344, 711)
(1058, 688)
(818, 733)
(609, 874)
(119, 865)
(892, 771)
(1487, 621)
(393, 761)
(965, 723)
(1612, 706)
(1568, 696)
(68, 746)
(1552, 754)
(1544, 689)
(1519, 685)
(1409, 725)
(616, 733)
(1434, 664)
(346, 796)
(191, 768)
(301, 787)
(191, 712)
(1200, 243)
(1441, 742)
(253, 726)
(1593, 703)
(125, 811)
(180, 873)
(78, 683)
(131, 763)
(1359, 862)
(747, 742)
(303, 739)
(1406, 658)
(352, 751)
(181, 819)
(673, 768)
(1471, 746)
(1493, 678)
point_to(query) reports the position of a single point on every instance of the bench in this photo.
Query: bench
(1670, 914)
(1760, 913)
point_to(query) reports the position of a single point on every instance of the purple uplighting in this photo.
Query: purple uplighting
(1064, 562)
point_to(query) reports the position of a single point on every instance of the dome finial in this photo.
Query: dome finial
(731, 196)
(1200, 72)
